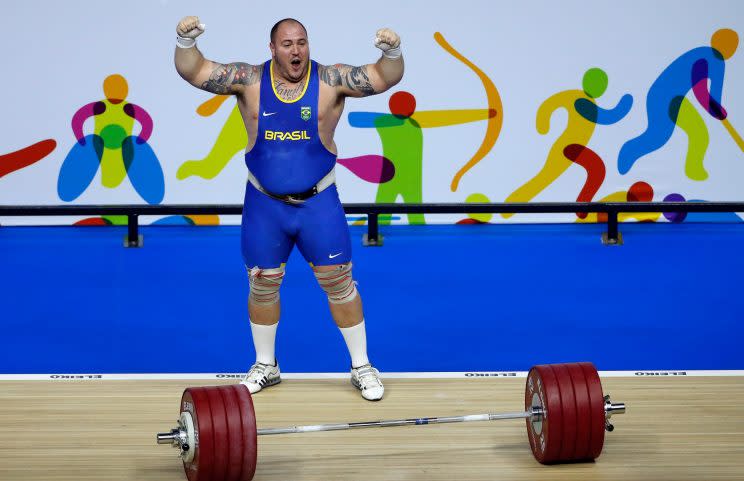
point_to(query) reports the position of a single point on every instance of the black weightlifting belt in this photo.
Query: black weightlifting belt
(296, 198)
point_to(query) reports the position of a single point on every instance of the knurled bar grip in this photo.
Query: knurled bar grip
(395, 422)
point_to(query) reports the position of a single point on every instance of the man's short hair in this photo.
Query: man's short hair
(284, 20)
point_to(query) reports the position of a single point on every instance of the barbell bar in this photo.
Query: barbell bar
(566, 414)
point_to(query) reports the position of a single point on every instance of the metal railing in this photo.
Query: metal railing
(373, 238)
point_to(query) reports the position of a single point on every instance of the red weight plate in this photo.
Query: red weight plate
(534, 435)
(596, 404)
(234, 433)
(195, 402)
(583, 411)
(542, 385)
(568, 408)
(250, 438)
(554, 414)
(219, 426)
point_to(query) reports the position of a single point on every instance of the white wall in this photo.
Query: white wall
(56, 55)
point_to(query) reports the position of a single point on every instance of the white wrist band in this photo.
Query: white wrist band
(184, 42)
(392, 53)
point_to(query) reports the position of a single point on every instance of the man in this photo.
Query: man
(290, 106)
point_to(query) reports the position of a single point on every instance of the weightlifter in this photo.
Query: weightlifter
(291, 105)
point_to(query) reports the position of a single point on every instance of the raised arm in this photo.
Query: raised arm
(368, 79)
(205, 74)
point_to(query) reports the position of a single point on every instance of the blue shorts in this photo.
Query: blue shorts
(271, 228)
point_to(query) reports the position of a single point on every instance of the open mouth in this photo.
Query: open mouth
(296, 62)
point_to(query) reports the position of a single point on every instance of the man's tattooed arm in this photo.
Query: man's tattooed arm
(355, 80)
(225, 76)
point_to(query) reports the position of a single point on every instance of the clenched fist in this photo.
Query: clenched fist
(389, 42)
(190, 27)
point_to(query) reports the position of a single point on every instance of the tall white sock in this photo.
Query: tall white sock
(263, 341)
(356, 342)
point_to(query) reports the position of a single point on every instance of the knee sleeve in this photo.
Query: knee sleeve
(338, 284)
(265, 285)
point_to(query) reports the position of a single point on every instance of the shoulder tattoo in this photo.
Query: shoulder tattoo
(353, 78)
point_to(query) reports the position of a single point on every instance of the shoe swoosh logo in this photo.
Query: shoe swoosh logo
(267, 114)
(331, 256)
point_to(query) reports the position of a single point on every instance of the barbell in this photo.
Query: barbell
(565, 410)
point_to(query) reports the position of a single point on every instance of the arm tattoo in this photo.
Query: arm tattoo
(225, 76)
(329, 75)
(353, 78)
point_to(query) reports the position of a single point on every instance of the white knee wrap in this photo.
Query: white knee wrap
(265, 285)
(338, 284)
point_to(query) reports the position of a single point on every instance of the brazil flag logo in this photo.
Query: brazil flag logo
(305, 113)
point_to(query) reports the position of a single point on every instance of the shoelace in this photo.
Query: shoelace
(257, 371)
(368, 377)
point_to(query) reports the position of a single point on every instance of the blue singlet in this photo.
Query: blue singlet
(289, 157)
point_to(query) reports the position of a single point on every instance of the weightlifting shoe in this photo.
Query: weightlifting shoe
(367, 379)
(261, 376)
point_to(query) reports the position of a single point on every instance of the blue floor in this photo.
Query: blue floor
(437, 298)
